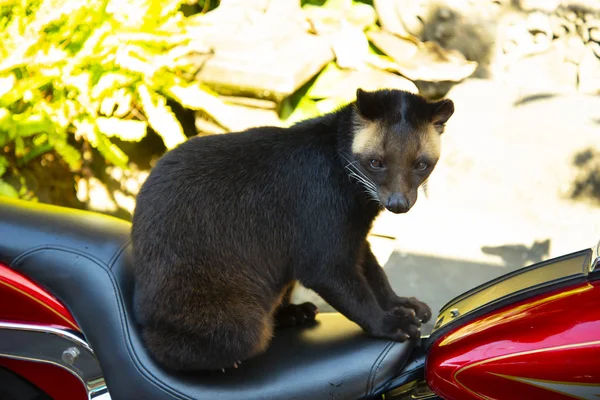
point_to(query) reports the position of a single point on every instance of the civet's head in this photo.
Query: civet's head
(396, 144)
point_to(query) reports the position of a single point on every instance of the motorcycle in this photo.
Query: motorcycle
(67, 333)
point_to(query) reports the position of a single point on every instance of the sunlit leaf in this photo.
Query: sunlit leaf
(133, 59)
(118, 104)
(338, 4)
(331, 104)
(81, 81)
(19, 146)
(306, 109)
(110, 82)
(87, 129)
(75, 71)
(22, 86)
(7, 190)
(67, 152)
(160, 117)
(5, 116)
(111, 151)
(195, 98)
(31, 124)
(124, 103)
(326, 83)
(6, 84)
(127, 130)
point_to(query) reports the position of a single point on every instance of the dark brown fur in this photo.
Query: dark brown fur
(225, 226)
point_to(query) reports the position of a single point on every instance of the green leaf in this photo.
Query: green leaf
(19, 146)
(37, 151)
(160, 117)
(7, 190)
(68, 153)
(87, 129)
(111, 151)
(31, 124)
(3, 165)
(127, 130)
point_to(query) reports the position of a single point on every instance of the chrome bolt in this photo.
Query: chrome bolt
(454, 313)
(70, 355)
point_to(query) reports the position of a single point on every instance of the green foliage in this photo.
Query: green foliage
(74, 72)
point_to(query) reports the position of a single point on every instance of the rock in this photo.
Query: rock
(250, 102)
(420, 61)
(560, 26)
(261, 49)
(342, 84)
(587, 6)
(544, 73)
(574, 48)
(402, 17)
(361, 15)
(343, 28)
(589, 70)
(246, 117)
(538, 22)
(594, 32)
(434, 90)
(272, 70)
(469, 27)
(329, 19)
(547, 6)
(596, 49)
(350, 46)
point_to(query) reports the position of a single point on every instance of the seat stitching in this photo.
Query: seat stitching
(117, 254)
(373, 367)
(377, 365)
(28, 252)
(157, 383)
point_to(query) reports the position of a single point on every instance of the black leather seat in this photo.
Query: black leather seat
(82, 258)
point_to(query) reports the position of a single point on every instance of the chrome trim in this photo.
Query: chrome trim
(414, 390)
(525, 280)
(595, 264)
(46, 344)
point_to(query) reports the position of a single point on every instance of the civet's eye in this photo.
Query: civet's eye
(421, 166)
(375, 164)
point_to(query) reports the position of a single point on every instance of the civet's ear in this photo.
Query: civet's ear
(367, 105)
(442, 111)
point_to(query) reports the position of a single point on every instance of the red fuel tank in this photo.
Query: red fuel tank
(532, 334)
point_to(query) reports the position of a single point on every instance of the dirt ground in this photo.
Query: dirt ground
(503, 181)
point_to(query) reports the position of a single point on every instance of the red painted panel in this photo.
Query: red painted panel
(546, 347)
(23, 300)
(56, 382)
